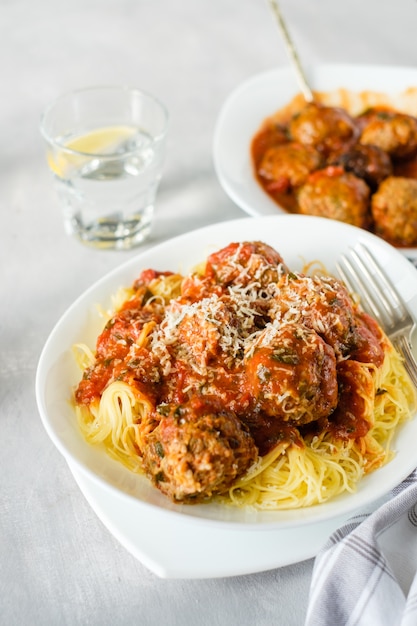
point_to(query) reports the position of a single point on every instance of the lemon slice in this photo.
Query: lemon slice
(102, 141)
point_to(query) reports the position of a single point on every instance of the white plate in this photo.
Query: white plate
(173, 548)
(261, 96)
(298, 238)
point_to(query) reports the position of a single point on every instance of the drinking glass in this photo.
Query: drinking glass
(105, 148)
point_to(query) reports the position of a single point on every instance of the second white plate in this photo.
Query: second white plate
(171, 548)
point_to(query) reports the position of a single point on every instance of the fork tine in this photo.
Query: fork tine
(355, 284)
(402, 344)
(394, 301)
(361, 273)
(368, 278)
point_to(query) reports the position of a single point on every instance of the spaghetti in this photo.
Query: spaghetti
(243, 381)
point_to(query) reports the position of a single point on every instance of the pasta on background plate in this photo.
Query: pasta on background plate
(243, 381)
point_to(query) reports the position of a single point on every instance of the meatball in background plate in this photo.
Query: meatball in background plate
(394, 210)
(336, 194)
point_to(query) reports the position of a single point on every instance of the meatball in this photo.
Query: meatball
(368, 162)
(324, 304)
(321, 303)
(292, 374)
(200, 326)
(117, 343)
(354, 414)
(288, 166)
(210, 330)
(336, 194)
(243, 263)
(368, 341)
(395, 133)
(270, 136)
(196, 287)
(394, 210)
(197, 451)
(329, 129)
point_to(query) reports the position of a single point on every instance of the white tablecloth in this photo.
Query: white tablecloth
(58, 563)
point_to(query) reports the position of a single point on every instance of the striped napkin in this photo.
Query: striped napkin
(366, 574)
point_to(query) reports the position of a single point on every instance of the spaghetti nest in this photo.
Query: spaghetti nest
(243, 381)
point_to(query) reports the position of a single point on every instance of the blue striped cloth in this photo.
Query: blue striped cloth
(366, 574)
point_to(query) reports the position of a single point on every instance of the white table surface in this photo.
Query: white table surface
(58, 563)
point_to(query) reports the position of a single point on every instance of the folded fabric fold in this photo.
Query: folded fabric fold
(366, 574)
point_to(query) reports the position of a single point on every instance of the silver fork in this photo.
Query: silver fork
(363, 276)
